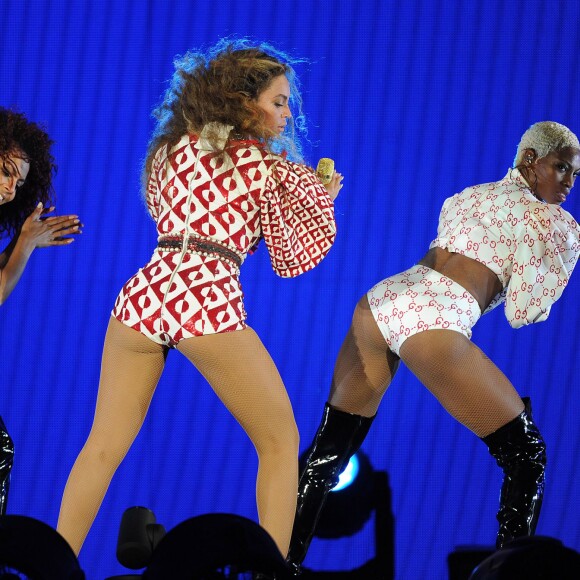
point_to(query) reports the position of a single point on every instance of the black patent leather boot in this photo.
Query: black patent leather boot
(519, 449)
(6, 458)
(338, 438)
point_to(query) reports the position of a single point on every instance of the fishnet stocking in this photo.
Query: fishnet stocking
(243, 375)
(130, 369)
(463, 379)
(468, 385)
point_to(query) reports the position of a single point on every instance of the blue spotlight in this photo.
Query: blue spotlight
(351, 502)
(360, 493)
(349, 474)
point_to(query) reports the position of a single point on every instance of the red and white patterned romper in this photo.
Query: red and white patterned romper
(211, 212)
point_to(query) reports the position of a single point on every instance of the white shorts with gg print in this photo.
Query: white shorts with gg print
(420, 299)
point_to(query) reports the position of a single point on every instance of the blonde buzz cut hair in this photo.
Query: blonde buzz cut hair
(544, 138)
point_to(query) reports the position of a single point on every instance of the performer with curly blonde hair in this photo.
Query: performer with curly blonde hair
(215, 183)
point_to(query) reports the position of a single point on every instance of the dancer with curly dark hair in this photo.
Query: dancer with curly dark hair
(215, 186)
(26, 170)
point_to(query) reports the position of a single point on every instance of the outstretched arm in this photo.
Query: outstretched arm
(35, 233)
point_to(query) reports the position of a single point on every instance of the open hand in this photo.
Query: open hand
(42, 232)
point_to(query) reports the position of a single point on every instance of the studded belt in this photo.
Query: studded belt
(201, 246)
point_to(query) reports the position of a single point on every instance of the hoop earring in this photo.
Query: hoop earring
(535, 184)
(529, 168)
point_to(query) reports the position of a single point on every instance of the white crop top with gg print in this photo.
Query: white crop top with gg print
(531, 246)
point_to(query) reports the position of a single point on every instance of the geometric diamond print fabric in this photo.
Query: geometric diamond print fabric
(234, 200)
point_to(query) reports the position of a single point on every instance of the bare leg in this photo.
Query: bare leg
(456, 371)
(467, 383)
(365, 366)
(244, 377)
(131, 367)
(364, 369)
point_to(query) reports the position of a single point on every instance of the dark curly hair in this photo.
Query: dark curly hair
(22, 137)
(222, 86)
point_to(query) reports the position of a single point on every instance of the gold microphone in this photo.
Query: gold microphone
(325, 170)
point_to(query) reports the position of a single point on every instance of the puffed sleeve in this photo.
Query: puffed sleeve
(297, 218)
(546, 252)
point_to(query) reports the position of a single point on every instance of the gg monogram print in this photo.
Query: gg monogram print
(531, 246)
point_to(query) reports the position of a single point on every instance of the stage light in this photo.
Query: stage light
(139, 534)
(350, 503)
(215, 546)
(349, 474)
(31, 547)
(360, 492)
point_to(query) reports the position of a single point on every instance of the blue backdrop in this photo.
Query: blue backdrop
(415, 101)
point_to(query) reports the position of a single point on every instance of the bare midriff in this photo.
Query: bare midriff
(474, 276)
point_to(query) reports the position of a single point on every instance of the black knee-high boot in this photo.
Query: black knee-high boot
(339, 436)
(6, 457)
(519, 449)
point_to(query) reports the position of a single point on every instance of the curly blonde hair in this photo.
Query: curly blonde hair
(221, 87)
(544, 138)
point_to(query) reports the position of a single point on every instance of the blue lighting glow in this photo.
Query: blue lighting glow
(348, 475)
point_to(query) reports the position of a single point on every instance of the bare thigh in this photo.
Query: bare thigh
(464, 380)
(365, 366)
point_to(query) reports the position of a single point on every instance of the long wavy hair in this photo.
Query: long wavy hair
(222, 86)
(23, 138)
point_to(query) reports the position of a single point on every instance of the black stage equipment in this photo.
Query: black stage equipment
(530, 558)
(32, 548)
